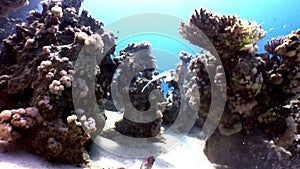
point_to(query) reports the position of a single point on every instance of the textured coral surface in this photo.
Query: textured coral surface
(52, 100)
(141, 65)
(261, 88)
(7, 5)
(37, 74)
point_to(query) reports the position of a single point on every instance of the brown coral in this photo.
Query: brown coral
(258, 86)
(37, 75)
(227, 33)
(7, 5)
(142, 116)
(15, 121)
(289, 51)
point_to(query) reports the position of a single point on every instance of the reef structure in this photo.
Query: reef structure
(227, 33)
(8, 5)
(37, 76)
(39, 83)
(142, 115)
(259, 87)
(13, 17)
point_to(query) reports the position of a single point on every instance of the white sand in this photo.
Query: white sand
(187, 154)
(18, 159)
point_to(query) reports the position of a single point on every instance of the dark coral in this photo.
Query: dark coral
(17, 16)
(271, 45)
(72, 3)
(142, 116)
(44, 73)
(258, 86)
(37, 75)
(8, 5)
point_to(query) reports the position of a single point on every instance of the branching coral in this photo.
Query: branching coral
(72, 3)
(228, 33)
(198, 67)
(271, 45)
(61, 142)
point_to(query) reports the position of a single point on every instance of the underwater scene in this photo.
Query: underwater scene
(137, 84)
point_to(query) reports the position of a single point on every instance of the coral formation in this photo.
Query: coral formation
(17, 120)
(271, 45)
(8, 22)
(228, 33)
(295, 106)
(247, 152)
(53, 101)
(7, 5)
(259, 86)
(37, 75)
(142, 117)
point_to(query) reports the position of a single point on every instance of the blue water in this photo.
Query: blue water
(277, 17)
(165, 49)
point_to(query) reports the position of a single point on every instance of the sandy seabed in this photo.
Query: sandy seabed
(187, 154)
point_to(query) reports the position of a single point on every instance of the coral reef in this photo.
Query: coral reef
(289, 63)
(173, 97)
(295, 125)
(7, 5)
(228, 33)
(38, 107)
(259, 86)
(172, 104)
(72, 3)
(248, 152)
(53, 101)
(271, 45)
(8, 22)
(16, 120)
(142, 116)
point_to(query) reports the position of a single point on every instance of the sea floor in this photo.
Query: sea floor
(187, 154)
(239, 151)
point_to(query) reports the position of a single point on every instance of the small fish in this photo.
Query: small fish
(167, 75)
(284, 26)
(271, 29)
(147, 163)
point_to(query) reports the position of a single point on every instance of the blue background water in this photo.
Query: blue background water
(277, 17)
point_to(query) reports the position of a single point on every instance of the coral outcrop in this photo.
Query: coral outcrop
(259, 86)
(52, 98)
(17, 16)
(142, 115)
(271, 45)
(228, 33)
(8, 5)
(44, 76)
